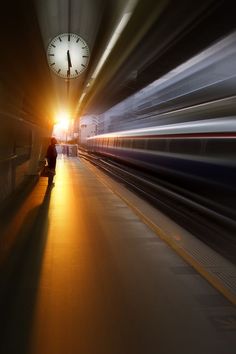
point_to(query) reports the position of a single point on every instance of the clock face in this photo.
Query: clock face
(68, 55)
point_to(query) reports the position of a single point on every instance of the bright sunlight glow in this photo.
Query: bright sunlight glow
(62, 121)
(62, 125)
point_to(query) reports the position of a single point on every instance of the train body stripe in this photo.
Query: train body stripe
(171, 136)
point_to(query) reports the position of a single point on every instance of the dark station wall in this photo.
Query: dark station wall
(25, 96)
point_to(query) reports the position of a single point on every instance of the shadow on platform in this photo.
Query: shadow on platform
(19, 279)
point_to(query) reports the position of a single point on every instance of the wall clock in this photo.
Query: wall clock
(68, 55)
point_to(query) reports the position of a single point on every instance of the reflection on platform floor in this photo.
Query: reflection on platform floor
(89, 277)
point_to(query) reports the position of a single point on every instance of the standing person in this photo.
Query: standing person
(51, 159)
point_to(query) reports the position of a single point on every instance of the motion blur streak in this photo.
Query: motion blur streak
(204, 87)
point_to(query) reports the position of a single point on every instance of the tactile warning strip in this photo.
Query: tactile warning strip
(228, 278)
(212, 262)
(205, 255)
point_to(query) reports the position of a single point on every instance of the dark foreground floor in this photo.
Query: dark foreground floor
(82, 274)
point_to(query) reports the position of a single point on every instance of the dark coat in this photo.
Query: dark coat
(51, 156)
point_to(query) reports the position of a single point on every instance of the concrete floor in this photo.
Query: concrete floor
(82, 274)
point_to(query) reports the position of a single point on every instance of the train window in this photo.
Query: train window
(152, 144)
(138, 143)
(156, 144)
(118, 142)
(135, 144)
(111, 141)
(121, 142)
(219, 147)
(129, 143)
(126, 142)
(185, 146)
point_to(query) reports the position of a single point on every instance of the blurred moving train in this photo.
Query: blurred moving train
(204, 87)
(181, 129)
(198, 156)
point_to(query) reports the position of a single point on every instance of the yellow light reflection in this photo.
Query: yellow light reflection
(57, 295)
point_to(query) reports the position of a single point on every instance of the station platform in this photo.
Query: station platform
(85, 268)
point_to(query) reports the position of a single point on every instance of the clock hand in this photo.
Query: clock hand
(69, 60)
(69, 63)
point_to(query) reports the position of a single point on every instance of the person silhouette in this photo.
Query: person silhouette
(51, 157)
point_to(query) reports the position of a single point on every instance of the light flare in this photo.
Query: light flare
(63, 123)
(62, 120)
